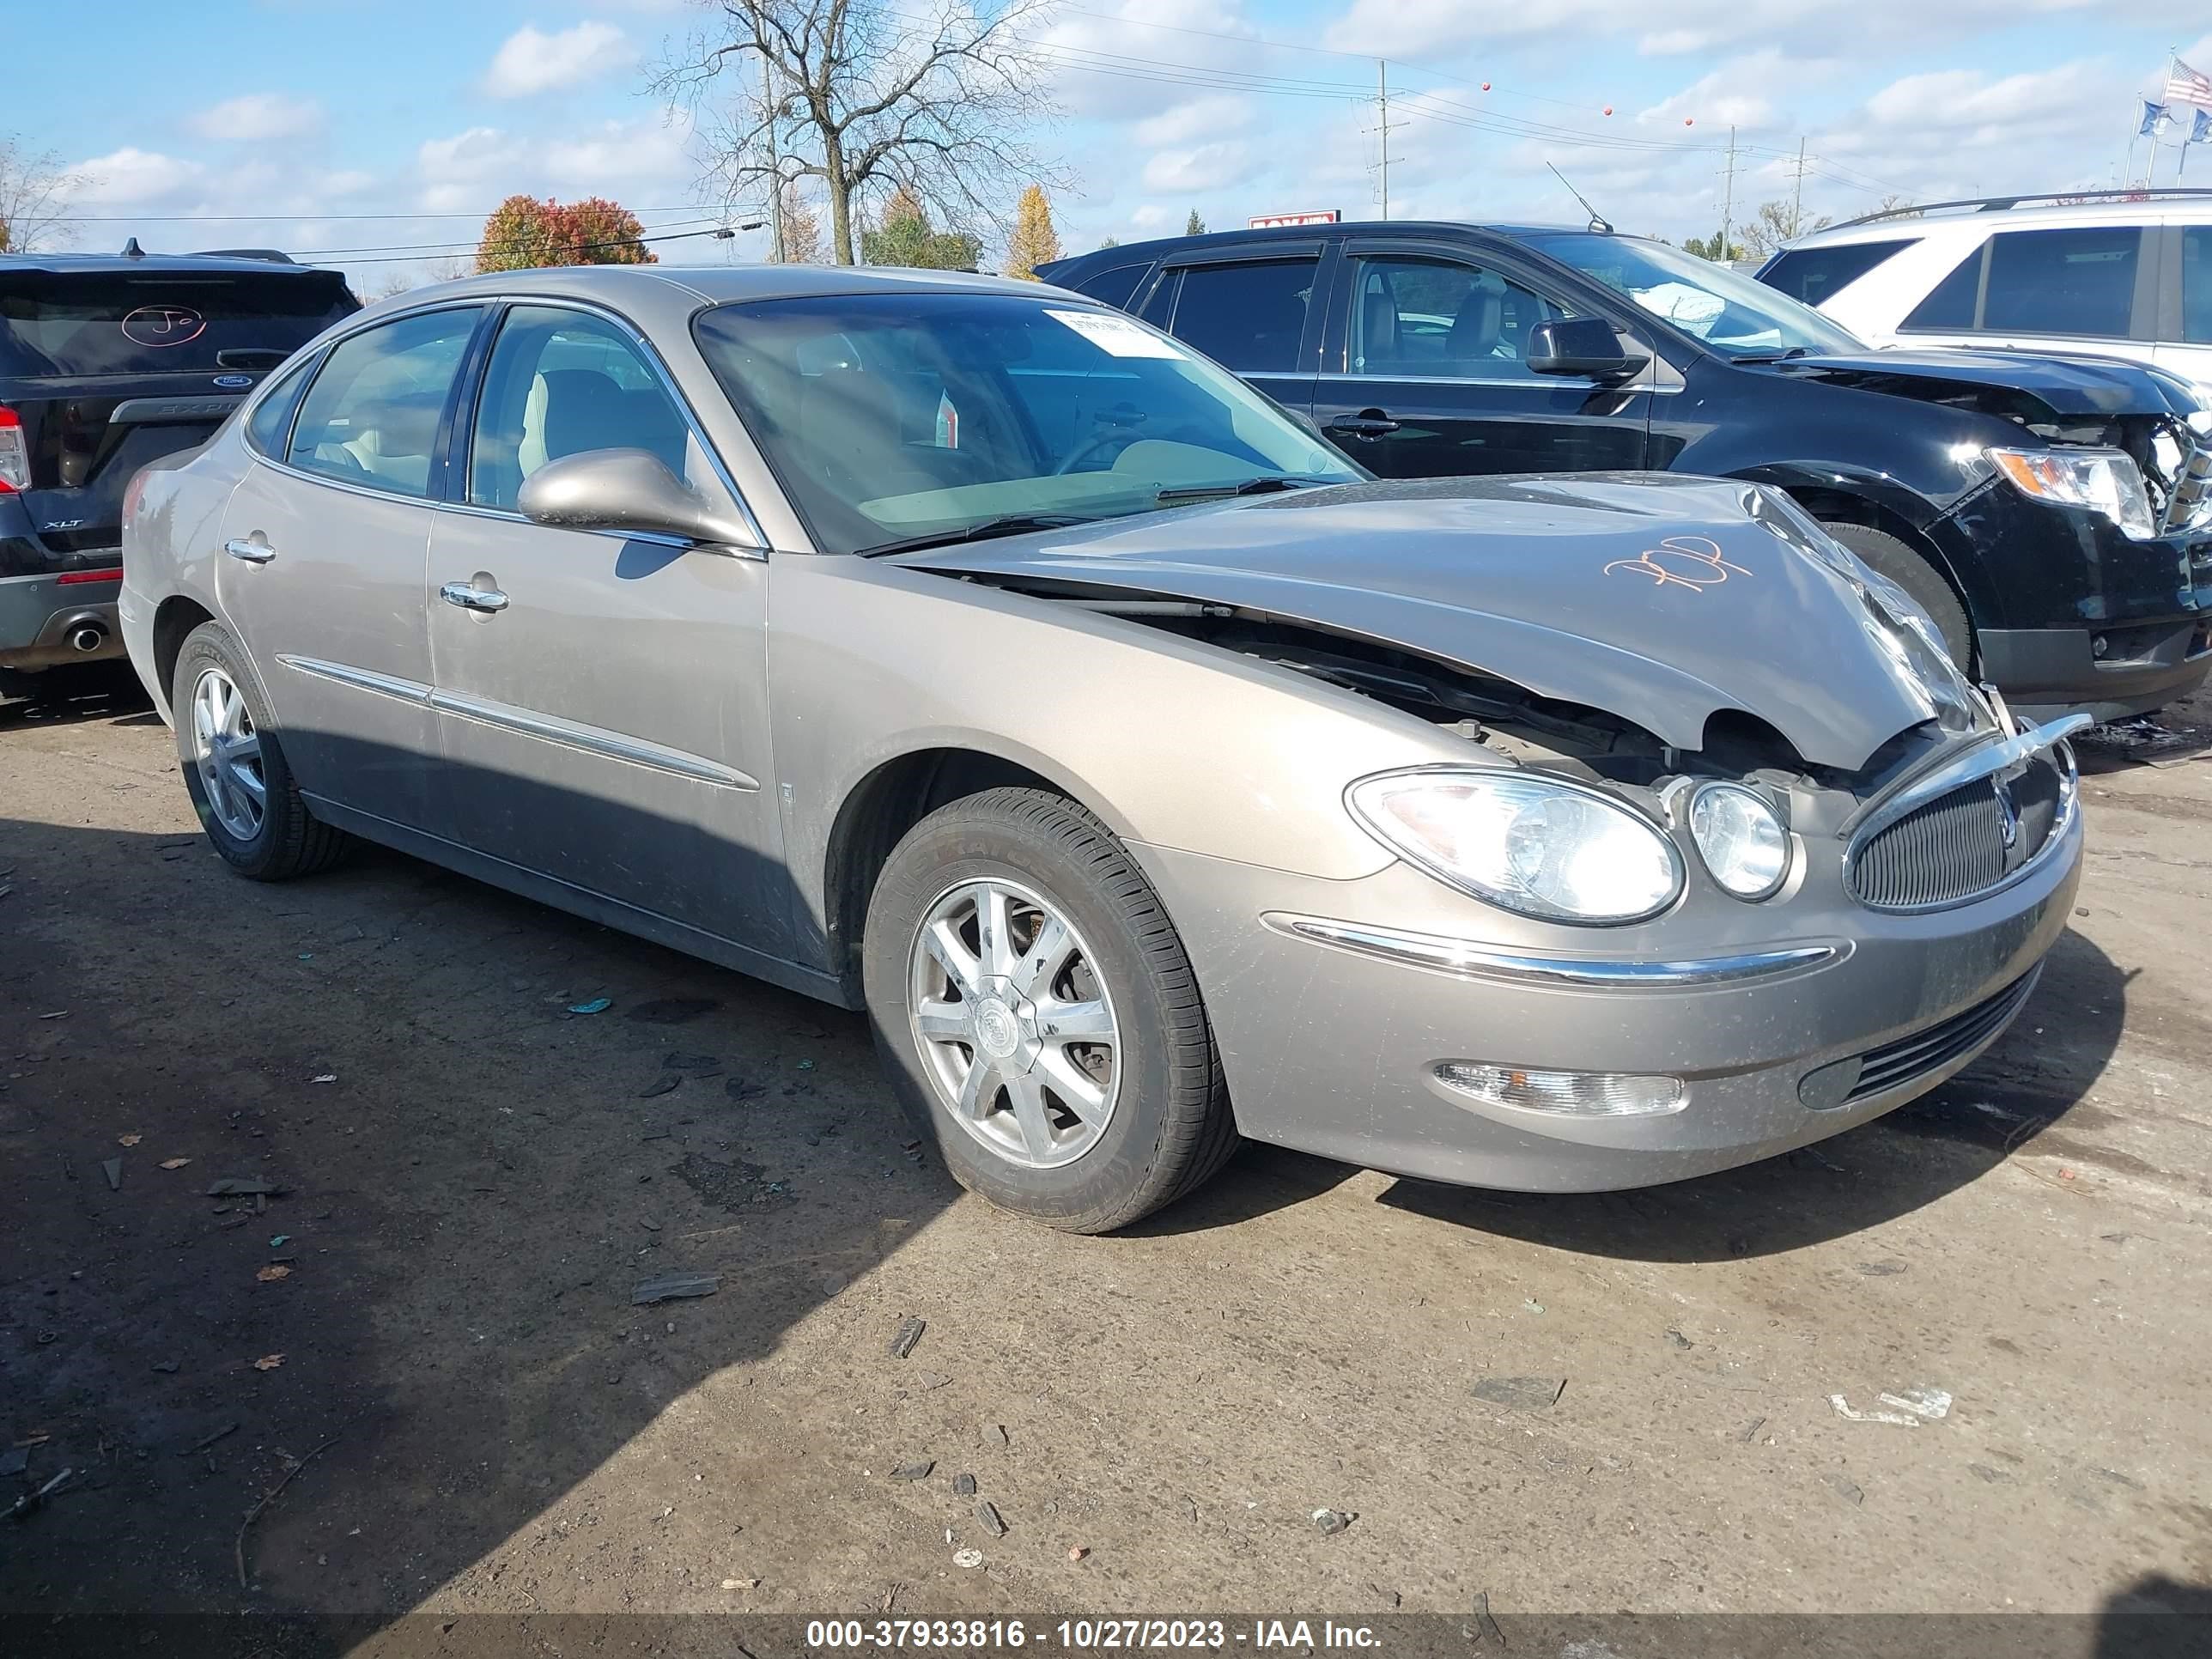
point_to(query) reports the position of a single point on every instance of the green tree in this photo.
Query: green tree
(1194, 225)
(1111, 242)
(1708, 247)
(905, 236)
(1034, 241)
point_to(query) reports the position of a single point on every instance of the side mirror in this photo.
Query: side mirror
(629, 490)
(1577, 345)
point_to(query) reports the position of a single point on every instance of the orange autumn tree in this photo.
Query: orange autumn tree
(524, 233)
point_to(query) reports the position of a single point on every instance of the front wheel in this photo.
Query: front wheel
(1906, 567)
(233, 765)
(1038, 1015)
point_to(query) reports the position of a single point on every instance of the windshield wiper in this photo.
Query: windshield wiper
(1011, 524)
(1259, 486)
(1773, 356)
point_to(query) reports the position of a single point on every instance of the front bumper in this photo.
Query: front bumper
(2047, 672)
(1334, 1050)
(51, 619)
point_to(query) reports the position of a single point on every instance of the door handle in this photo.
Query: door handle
(254, 549)
(470, 597)
(1368, 423)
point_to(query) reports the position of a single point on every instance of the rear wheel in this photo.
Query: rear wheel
(233, 766)
(1911, 571)
(1038, 1015)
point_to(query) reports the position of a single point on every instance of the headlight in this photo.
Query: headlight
(1741, 839)
(1543, 847)
(2103, 480)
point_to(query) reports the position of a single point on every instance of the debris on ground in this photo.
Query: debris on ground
(702, 1065)
(1751, 1430)
(1846, 1489)
(242, 1187)
(31, 1501)
(113, 1168)
(1075, 1552)
(238, 1547)
(174, 1163)
(964, 1485)
(14, 1462)
(994, 1434)
(673, 1287)
(909, 1333)
(1483, 1627)
(128, 1140)
(916, 1471)
(1520, 1393)
(1911, 1408)
(967, 1557)
(738, 1088)
(278, 1241)
(987, 1513)
(740, 1584)
(1331, 1521)
(1676, 1338)
(273, 1272)
(1531, 1305)
(269, 1362)
(596, 1006)
(2142, 738)
(207, 1440)
(1881, 1269)
(927, 1382)
(323, 1077)
(666, 1083)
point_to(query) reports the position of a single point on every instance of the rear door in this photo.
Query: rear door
(1423, 374)
(105, 370)
(328, 538)
(1255, 308)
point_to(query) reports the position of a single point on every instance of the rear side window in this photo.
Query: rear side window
(2197, 284)
(1810, 275)
(1115, 286)
(1950, 304)
(77, 323)
(272, 415)
(1248, 316)
(372, 416)
(2064, 281)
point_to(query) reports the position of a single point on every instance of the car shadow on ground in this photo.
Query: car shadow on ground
(105, 691)
(2032, 1080)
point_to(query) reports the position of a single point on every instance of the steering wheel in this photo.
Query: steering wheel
(1092, 446)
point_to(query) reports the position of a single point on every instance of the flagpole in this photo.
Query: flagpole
(2150, 178)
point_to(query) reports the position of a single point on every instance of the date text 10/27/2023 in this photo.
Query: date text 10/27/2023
(1087, 1635)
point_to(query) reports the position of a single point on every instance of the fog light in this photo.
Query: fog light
(1571, 1094)
(2100, 646)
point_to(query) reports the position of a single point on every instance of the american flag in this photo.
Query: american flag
(2186, 86)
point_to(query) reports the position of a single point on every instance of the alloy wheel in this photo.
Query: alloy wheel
(227, 754)
(1014, 1024)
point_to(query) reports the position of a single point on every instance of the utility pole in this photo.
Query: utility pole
(1383, 97)
(1797, 195)
(1728, 198)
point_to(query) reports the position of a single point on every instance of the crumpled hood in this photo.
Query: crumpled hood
(2066, 386)
(1656, 597)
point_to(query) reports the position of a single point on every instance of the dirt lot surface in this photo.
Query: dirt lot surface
(433, 1307)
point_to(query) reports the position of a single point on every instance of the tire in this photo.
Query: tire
(1912, 572)
(286, 840)
(1166, 1122)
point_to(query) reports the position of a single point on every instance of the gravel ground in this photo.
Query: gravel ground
(434, 1307)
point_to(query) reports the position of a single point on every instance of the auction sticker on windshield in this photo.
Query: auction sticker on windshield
(1117, 334)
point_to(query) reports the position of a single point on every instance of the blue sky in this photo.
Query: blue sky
(301, 110)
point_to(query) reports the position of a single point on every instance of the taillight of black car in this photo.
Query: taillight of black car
(14, 455)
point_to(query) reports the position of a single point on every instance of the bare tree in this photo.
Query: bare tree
(33, 192)
(869, 96)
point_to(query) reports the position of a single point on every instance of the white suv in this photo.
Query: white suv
(2124, 274)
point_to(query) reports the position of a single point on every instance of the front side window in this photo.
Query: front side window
(1438, 319)
(1709, 302)
(1812, 275)
(2064, 281)
(562, 383)
(372, 416)
(885, 419)
(1249, 314)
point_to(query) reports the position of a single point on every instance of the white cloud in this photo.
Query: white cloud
(1202, 168)
(133, 177)
(1103, 64)
(1728, 97)
(1201, 118)
(532, 61)
(259, 117)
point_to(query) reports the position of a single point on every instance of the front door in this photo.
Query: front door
(602, 701)
(327, 539)
(1424, 377)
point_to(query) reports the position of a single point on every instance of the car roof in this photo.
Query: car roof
(205, 263)
(1974, 224)
(714, 284)
(1411, 229)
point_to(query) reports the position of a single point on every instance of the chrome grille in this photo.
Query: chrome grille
(2192, 493)
(1959, 844)
(1896, 1064)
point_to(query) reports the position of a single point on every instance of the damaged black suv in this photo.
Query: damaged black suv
(2051, 514)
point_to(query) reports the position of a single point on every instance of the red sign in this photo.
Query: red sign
(1323, 216)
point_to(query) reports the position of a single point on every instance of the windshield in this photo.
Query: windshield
(887, 416)
(1728, 312)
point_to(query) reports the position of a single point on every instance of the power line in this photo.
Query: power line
(581, 247)
(319, 218)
